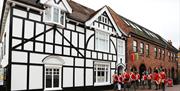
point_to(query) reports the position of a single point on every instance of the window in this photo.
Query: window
(52, 77)
(120, 47)
(147, 50)
(159, 53)
(135, 46)
(101, 73)
(169, 55)
(103, 19)
(102, 41)
(163, 53)
(141, 48)
(52, 72)
(54, 15)
(155, 52)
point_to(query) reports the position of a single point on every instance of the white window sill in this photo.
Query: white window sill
(51, 89)
(102, 84)
(52, 23)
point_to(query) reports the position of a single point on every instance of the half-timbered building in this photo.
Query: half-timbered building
(59, 45)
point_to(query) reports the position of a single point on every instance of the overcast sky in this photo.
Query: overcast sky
(160, 16)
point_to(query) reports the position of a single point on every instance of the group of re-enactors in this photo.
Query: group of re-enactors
(128, 79)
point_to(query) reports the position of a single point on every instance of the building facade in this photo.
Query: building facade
(178, 59)
(59, 45)
(146, 50)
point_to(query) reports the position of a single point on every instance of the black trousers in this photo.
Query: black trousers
(149, 84)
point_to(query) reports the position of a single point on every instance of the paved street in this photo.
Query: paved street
(174, 88)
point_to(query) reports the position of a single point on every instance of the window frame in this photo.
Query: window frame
(98, 35)
(106, 75)
(60, 72)
(142, 48)
(120, 47)
(51, 21)
(147, 50)
(135, 46)
(155, 52)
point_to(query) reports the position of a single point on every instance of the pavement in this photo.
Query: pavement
(174, 88)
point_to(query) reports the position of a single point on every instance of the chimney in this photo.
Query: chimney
(170, 42)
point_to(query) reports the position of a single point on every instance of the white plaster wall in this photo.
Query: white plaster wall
(105, 56)
(99, 55)
(36, 77)
(113, 65)
(29, 29)
(39, 29)
(49, 48)
(17, 27)
(79, 76)
(58, 49)
(81, 40)
(89, 77)
(37, 58)
(112, 50)
(79, 62)
(94, 55)
(67, 35)
(113, 40)
(20, 13)
(114, 58)
(19, 57)
(66, 50)
(58, 37)
(16, 42)
(39, 47)
(89, 63)
(67, 77)
(88, 54)
(82, 52)
(70, 26)
(18, 77)
(28, 46)
(91, 44)
(35, 17)
(88, 33)
(49, 36)
(68, 61)
(109, 57)
(74, 39)
(79, 29)
(74, 52)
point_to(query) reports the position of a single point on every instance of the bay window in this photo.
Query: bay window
(102, 41)
(54, 15)
(155, 52)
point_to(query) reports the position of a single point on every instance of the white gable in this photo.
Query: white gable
(104, 9)
(63, 4)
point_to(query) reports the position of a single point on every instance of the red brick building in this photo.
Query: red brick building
(146, 50)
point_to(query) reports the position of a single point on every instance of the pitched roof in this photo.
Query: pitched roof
(129, 26)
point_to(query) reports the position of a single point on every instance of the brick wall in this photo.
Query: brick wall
(149, 61)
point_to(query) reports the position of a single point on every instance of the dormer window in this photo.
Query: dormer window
(54, 15)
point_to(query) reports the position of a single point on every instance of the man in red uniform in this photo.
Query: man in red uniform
(144, 79)
(137, 79)
(115, 81)
(149, 78)
(126, 79)
(133, 79)
(163, 77)
(156, 78)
